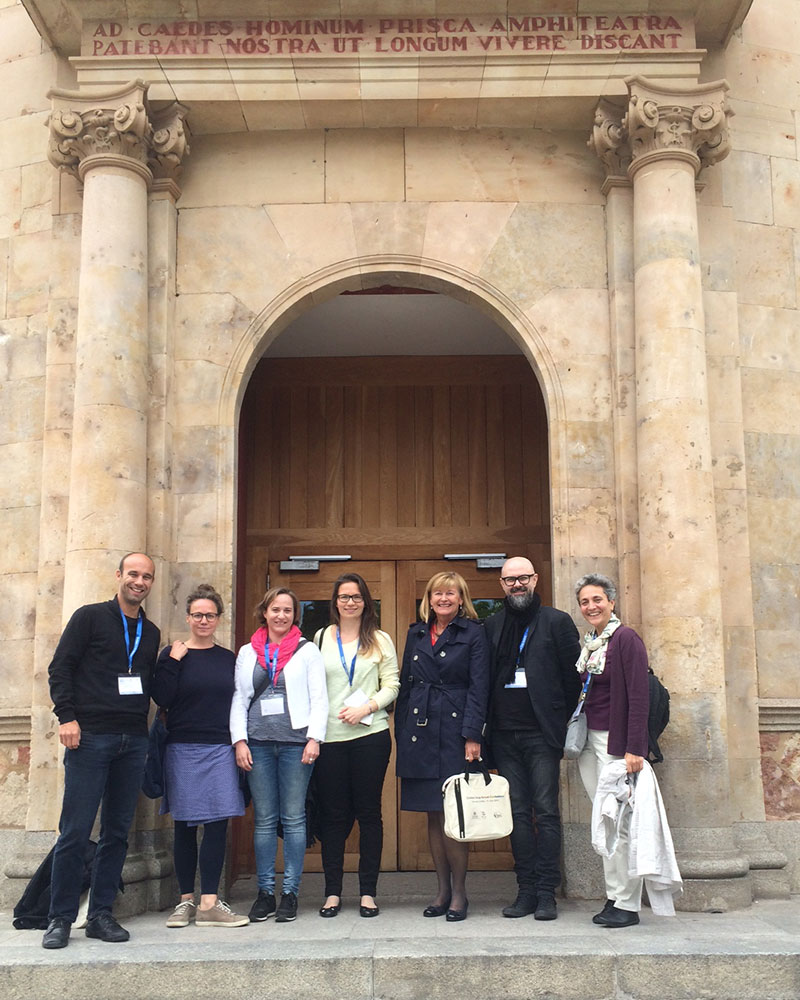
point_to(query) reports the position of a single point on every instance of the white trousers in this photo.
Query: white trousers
(624, 890)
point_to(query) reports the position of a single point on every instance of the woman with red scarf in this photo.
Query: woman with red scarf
(278, 718)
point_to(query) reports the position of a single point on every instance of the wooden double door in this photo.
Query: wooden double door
(397, 588)
(394, 461)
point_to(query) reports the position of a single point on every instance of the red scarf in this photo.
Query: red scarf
(286, 648)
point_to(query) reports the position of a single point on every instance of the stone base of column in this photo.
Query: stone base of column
(769, 869)
(716, 875)
(149, 883)
(148, 874)
(24, 850)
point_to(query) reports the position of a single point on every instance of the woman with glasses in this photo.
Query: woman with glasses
(278, 718)
(193, 681)
(362, 679)
(439, 722)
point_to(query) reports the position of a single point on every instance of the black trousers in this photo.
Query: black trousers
(211, 854)
(349, 782)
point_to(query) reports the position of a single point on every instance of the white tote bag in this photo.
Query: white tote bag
(477, 805)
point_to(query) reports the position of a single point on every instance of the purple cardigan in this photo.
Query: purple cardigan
(626, 668)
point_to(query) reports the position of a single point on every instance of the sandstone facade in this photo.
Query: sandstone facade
(627, 213)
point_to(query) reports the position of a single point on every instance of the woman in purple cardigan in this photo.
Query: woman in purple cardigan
(617, 706)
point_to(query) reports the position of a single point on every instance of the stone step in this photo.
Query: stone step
(749, 954)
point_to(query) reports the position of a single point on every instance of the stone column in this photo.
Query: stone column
(114, 146)
(608, 142)
(104, 140)
(672, 134)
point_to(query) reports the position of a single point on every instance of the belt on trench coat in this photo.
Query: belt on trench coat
(420, 705)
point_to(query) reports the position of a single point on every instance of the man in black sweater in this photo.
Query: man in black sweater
(535, 687)
(100, 683)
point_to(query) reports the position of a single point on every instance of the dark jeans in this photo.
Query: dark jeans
(104, 769)
(349, 782)
(531, 767)
(211, 854)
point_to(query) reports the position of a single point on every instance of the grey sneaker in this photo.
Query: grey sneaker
(183, 913)
(287, 908)
(220, 915)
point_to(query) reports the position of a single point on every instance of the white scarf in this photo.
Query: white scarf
(593, 654)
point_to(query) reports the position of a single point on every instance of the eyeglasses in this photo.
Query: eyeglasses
(198, 616)
(350, 599)
(523, 580)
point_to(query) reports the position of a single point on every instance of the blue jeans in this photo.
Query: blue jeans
(531, 767)
(104, 769)
(278, 785)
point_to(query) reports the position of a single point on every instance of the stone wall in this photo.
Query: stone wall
(512, 220)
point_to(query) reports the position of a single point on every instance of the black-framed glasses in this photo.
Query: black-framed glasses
(523, 580)
(350, 599)
(198, 616)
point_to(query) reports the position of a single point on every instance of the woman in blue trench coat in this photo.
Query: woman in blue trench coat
(439, 720)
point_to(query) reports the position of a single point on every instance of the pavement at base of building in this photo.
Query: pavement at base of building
(701, 946)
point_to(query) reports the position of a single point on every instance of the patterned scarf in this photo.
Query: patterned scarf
(593, 654)
(286, 648)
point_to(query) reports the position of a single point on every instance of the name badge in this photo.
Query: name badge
(520, 680)
(272, 705)
(130, 684)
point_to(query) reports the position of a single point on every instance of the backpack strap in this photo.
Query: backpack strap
(321, 637)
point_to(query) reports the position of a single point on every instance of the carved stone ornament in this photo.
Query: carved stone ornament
(169, 143)
(609, 140)
(691, 123)
(90, 130)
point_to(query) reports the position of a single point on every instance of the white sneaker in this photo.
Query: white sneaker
(183, 913)
(220, 915)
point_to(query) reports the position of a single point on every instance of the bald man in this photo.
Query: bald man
(100, 683)
(534, 689)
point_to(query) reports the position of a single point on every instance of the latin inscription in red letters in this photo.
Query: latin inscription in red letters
(390, 36)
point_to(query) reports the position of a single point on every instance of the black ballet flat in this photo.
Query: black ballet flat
(436, 911)
(454, 915)
(329, 911)
(369, 911)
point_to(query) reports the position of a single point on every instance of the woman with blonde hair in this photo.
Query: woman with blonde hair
(361, 670)
(278, 719)
(440, 717)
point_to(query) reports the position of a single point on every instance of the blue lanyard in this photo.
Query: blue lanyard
(138, 639)
(349, 674)
(522, 644)
(271, 662)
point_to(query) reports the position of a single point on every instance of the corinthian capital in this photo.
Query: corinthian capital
(609, 140)
(117, 128)
(169, 144)
(86, 129)
(689, 123)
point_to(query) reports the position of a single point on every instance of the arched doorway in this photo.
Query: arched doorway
(395, 461)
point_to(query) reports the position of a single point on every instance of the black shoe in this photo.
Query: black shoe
(545, 907)
(287, 909)
(330, 911)
(436, 910)
(57, 933)
(524, 904)
(106, 928)
(263, 907)
(455, 915)
(369, 911)
(600, 918)
(620, 918)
